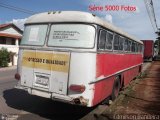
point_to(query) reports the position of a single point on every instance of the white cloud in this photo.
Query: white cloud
(136, 23)
(18, 22)
(108, 18)
(137, 10)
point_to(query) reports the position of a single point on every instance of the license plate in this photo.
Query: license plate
(42, 80)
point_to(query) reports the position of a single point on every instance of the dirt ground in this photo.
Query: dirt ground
(140, 100)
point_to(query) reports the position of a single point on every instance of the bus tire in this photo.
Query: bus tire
(116, 88)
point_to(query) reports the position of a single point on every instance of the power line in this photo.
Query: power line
(18, 9)
(150, 11)
(151, 14)
(154, 17)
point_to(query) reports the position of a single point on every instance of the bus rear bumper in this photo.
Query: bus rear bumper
(54, 96)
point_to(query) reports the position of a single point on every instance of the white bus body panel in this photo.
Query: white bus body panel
(81, 70)
(48, 79)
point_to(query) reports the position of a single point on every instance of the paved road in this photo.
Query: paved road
(7, 80)
(18, 103)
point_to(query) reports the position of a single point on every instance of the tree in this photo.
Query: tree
(4, 57)
(157, 42)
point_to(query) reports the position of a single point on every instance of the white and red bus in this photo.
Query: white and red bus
(76, 57)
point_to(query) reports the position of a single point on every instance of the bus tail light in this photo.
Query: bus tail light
(17, 76)
(77, 88)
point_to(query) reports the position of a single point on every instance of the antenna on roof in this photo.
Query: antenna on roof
(49, 12)
(94, 15)
(54, 12)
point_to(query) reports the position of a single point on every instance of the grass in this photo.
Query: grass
(142, 75)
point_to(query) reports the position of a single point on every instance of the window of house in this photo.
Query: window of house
(13, 41)
(19, 41)
(3, 40)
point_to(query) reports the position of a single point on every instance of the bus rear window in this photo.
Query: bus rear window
(72, 35)
(34, 35)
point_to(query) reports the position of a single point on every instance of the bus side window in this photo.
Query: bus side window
(141, 48)
(126, 45)
(121, 41)
(129, 45)
(133, 47)
(136, 47)
(102, 40)
(109, 41)
(116, 42)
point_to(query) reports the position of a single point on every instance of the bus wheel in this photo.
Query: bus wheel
(116, 88)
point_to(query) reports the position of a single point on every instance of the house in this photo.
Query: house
(10, 37)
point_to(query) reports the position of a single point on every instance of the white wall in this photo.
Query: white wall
(9, 46)
(10, 30)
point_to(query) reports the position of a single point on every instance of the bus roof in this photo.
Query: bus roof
(75, 16)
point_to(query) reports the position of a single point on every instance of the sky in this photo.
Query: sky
(135, 22)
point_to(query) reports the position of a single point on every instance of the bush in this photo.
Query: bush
(4, 57)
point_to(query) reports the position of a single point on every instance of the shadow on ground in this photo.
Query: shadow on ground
(46, 108)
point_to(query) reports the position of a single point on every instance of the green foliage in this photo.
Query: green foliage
(4, 57)
(157, 45)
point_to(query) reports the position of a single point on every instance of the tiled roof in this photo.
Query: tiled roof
(9, 35)
(11, 25)
(5, 25)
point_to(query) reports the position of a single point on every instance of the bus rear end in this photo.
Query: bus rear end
(148, 49)
(58, 61)
(76, 57)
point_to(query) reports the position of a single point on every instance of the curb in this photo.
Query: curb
(8, 68)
